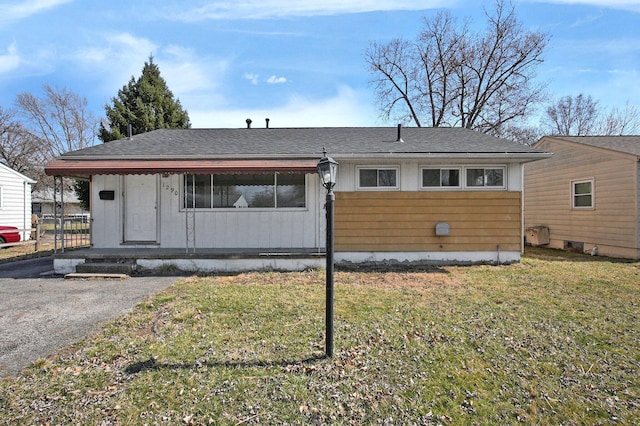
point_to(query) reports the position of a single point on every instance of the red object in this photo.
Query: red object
(66, 167)
(9, 234)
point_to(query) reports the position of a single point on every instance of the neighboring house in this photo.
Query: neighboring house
(587, 194)
(412, 194)
(42, 202)
(15, 200)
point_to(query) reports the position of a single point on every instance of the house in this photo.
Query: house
(403, 195)
(15, 200)
(42, 202)
(587, 195)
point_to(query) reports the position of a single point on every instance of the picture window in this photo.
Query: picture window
(272, 190)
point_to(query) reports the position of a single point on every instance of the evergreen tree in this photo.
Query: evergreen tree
(146, 104)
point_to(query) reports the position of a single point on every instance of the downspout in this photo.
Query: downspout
(522, 210)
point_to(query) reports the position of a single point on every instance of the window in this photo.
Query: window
(245, 191)
(582, 194)
(377, 178)
(437, 178)
(485, 177)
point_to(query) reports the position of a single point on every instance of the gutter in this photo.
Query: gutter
(281, 156)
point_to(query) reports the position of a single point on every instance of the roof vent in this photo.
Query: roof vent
(399, 133)
(267, 121)
(248, 120)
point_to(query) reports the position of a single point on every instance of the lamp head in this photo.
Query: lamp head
(328, 171)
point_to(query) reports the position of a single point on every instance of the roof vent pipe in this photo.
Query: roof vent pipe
(129, 131)
(248, 120)
(267, 120)
(399, 133)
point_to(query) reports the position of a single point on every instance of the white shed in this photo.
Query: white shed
(15, 200)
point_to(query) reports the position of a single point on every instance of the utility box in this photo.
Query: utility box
(537, 235)
(442, 229)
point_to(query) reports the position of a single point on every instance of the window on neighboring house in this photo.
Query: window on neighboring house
(271, 190)
(440, 178)
(378, 178)
(582, 194)
(485, 177)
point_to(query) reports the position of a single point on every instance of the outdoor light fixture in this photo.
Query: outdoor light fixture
(328, 170)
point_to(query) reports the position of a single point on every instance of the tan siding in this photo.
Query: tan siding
(612, 223)
(405, 221)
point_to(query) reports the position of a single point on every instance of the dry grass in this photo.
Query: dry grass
(25, 250)
(553, 340)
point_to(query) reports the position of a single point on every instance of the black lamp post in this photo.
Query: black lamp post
(328, 170)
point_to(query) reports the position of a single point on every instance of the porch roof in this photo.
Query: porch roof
(86, 168)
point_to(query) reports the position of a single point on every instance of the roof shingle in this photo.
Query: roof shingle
(300, 143)
(626, 144)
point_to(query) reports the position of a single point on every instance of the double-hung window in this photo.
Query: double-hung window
(378, 178)
(220, 191)
(582, 195)
(440, 178)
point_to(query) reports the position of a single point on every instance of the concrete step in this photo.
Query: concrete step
(104, 268)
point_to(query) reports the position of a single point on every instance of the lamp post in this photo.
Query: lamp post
(328, 169)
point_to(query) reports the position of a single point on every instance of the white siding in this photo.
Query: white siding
(409, 172)
(106, 215)
(228, 228)
(15, 206)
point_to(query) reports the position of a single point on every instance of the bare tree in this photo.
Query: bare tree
(60, 118)
(19, 148)
(522, 134)
(581, 115)
(450, 76)
(624, 121)
(572, 116)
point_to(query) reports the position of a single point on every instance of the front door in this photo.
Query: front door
(140, 208)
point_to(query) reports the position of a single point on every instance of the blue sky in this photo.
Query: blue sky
(300, 63)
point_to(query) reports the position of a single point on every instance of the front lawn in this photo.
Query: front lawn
(553, 340)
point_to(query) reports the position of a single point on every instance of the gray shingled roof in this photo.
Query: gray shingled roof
(626, 144)
(302, 143)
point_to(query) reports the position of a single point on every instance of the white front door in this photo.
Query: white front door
(140, 208)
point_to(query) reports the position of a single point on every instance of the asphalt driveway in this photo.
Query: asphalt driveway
(40, 316)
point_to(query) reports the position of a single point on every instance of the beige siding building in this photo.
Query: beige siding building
(587, 194)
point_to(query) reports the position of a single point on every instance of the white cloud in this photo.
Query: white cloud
(253, 78)
(630, 5)
(116, 57)
(276, 80)
(187, 72)
(15, 11)
(11, 60)
(264, 9)
(347, 108)
(123, 55)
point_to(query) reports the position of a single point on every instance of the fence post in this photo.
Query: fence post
(37, 236)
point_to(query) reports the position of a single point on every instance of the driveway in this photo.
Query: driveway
(40, 316)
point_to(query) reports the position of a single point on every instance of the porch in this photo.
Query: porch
(178, 260)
